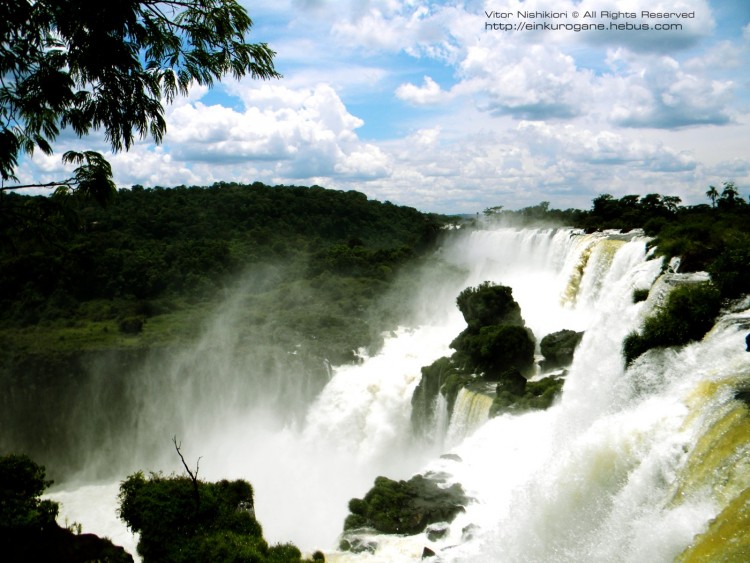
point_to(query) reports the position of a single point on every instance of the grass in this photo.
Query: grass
(69, 335)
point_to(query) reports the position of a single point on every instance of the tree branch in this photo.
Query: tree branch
(67, 182)
(193, 477)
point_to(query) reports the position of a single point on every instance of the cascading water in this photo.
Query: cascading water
(605, 474)
(469, 413)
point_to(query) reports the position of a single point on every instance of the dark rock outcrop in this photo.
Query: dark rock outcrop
(558, 348)
(511, 381)
(496, 346)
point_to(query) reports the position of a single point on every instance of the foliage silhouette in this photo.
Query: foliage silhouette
(107, 66)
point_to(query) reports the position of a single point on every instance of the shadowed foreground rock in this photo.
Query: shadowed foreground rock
(62, 546)
(28, 530)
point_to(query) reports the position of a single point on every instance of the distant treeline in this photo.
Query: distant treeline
(713, 238)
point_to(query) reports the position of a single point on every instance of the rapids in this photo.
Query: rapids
(610, 472)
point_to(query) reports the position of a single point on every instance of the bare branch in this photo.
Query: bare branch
(193, 477)
(67, 182)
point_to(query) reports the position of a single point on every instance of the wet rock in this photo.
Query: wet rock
(358, 545)
(468, 532)
(405, 507)
(427, 553)
(558, 348)
(437, 531)
(512, 382)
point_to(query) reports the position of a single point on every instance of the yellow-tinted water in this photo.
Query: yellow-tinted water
(719, 465)
(602, 251)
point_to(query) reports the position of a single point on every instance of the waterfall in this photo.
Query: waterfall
(627, 465)
(471, 410)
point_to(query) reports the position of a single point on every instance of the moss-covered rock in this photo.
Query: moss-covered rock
(495, 338)
(425, 395)
(558, 348)
(535, 395)
(511, 381)
(496, 348)
(489, 304)
(404, 507)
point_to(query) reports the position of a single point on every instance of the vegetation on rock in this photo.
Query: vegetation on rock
(404, 507)
(535, 395)
(495, 338)
(495, 347)
(689, 312)
(183, 519)
(713, 238)
(489, 305)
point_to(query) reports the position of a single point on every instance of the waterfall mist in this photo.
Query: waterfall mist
(592, 478)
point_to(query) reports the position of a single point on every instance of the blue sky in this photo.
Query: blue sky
(417, 103)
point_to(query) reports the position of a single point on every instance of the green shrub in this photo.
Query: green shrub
(175, 525)
(690, 312)
(131, 325)
(283, 553)
(731, 269)
(226, 547)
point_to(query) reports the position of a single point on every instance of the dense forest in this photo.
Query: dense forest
(74, 274)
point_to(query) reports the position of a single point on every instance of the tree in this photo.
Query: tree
(22, 483)
(650, 202)
(712, 194)
(730, 196)
(86, 65)
(672, 202)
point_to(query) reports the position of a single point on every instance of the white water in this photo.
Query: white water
(589, 479)
(470, 412)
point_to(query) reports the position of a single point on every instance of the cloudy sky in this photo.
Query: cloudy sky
(423, 103)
